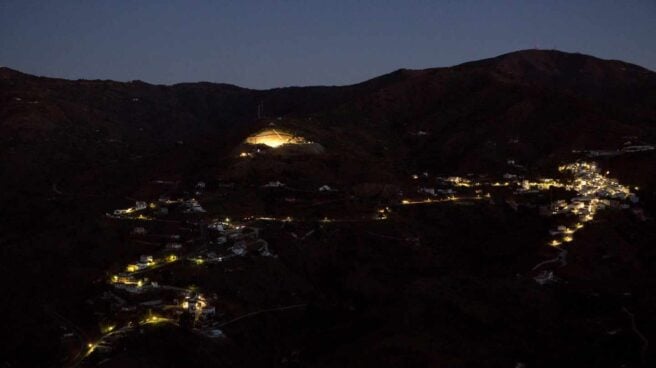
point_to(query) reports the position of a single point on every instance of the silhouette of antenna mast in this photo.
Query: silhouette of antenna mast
(260, 110)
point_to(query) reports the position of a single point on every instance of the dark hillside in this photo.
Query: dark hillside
(70, 151)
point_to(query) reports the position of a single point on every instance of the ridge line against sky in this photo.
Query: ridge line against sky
(263, 44)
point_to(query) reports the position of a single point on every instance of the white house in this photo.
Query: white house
(146, 259)
(239, 248)
(139, 231)
(274, 184)
(430, 191)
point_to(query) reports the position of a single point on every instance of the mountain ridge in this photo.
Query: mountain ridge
(73, 150)
(552, 101)
(525, 54)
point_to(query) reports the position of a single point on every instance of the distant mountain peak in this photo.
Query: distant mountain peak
(544, 60)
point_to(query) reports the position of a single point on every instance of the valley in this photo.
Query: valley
(494, 213)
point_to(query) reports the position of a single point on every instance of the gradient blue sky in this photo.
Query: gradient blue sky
(262, 44)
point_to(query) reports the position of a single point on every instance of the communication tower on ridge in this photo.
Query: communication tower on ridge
(260, 110)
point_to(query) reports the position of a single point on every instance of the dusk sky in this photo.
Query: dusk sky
(264, 44)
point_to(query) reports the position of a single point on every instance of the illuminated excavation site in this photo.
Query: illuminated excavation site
(275, 138)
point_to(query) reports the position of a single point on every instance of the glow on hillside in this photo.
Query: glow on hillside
(274, 138)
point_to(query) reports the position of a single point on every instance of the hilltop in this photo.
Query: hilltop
(73, 150)
(548, 102)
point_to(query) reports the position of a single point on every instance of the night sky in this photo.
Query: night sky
(262, 44)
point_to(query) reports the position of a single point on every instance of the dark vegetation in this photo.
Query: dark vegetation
(453, 290)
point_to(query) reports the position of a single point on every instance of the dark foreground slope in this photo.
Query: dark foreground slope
(72, 150)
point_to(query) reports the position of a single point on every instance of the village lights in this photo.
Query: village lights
(554, 243)
(108, 329)
(152, 319)
(588, 189)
